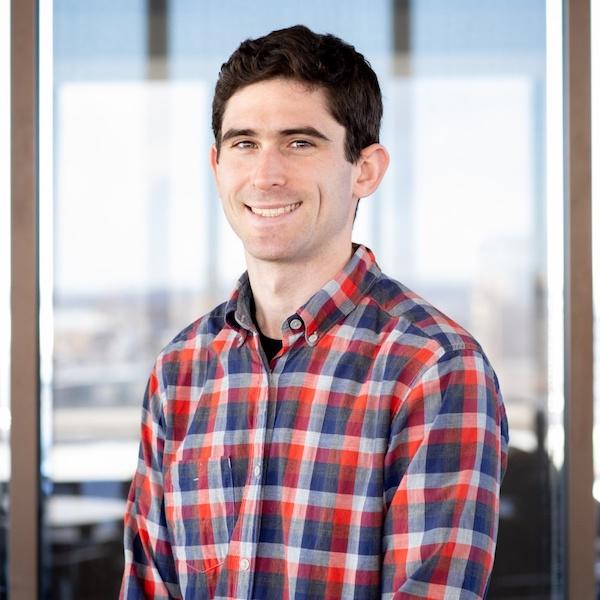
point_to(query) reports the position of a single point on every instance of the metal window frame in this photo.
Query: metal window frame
(579, 517)
(579, 520)
(24, 547)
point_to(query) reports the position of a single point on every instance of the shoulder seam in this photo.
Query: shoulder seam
(445, 352)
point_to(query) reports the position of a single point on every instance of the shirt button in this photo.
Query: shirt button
(257, 470)
(244, 564)
(295, 323)
(313, 337)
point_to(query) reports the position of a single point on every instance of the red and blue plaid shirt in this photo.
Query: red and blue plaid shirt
(363, 462)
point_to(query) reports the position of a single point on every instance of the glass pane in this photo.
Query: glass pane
(141, 247)
(463, 221)
(99, 201)
(4, 290)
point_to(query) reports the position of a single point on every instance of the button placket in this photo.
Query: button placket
(244, 545)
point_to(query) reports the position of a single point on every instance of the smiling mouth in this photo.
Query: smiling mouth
(274, 212)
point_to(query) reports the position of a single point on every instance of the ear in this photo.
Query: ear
(213, 158)
(371, 167)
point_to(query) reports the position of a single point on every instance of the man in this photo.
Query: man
(325, 433)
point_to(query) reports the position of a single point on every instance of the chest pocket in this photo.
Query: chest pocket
(199, 505)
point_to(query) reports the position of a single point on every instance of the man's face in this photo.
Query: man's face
(285, 184)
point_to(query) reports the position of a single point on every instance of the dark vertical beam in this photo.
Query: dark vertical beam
(24, 497)
(579, 358)
(157, 39)
(401, 23)
(157, 47)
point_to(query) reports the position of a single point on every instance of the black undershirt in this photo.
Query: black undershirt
(270, 346)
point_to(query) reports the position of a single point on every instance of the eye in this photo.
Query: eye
(301, 144)
(244, 144)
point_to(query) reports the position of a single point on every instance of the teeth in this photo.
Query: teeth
(274, 212)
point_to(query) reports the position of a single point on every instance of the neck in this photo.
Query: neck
(280, 289)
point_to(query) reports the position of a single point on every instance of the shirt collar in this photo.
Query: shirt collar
(332, 303)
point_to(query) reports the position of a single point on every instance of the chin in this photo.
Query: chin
(268, 256)
(269, 252)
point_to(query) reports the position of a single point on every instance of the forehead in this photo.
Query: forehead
(278, 103)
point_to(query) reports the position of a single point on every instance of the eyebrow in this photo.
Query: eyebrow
(233, 133)
(309, 131)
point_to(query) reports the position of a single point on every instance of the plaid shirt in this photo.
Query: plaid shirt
(363, 462)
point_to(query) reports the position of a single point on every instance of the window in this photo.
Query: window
(134, 246)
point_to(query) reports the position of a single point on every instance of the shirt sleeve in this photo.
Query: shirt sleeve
(445, 462)
(149, 565)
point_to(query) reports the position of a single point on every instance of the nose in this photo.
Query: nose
(269, 170)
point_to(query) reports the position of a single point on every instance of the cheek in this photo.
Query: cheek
(337, 191)
(229, 172)
(227, 186)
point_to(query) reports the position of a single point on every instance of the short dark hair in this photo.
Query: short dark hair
(323, 61)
